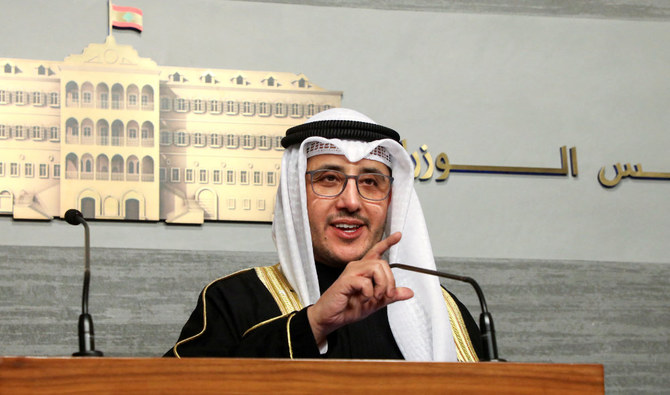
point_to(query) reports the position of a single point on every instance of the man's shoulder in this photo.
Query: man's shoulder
(241, 282)
(242, 275)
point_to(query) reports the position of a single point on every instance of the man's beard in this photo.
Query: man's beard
(326, 256)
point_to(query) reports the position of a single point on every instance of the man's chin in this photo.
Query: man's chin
(340, 260)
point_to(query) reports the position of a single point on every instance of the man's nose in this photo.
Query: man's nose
(349, 199)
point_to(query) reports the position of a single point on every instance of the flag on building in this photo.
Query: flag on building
(126, 17)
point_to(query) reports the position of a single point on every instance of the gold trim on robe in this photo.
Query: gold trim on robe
(288, 335)
(279, 288)
(465, 352)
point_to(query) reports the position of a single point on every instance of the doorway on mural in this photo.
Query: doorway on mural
(88, 207)
(132, 209)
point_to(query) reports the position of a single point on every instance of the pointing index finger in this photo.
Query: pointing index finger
(380, 248)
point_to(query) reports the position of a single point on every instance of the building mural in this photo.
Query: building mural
(121, 138)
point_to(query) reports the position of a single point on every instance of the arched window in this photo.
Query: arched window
(147, 169)
(117, 97)
(71, 166)
(87, 93)
(87, 131)
(102, 95)
(133, 169)
(86, 167)
(133, 93)
(71, 94)
(147, 134)
(102, 167)
(102, 132)
(71, 131)
(147, 98)
(117, 168)
(132, 130)
(117, 133)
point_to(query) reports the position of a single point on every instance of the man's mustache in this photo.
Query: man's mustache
(348, 215)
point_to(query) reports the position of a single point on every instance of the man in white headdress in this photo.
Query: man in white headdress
(345, 208)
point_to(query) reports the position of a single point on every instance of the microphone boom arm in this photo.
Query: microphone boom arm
(485, 319)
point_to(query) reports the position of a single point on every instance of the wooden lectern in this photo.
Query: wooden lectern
(147, 376)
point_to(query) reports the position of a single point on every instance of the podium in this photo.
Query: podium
(36, 375)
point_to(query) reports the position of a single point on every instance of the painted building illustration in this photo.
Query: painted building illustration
(119, 137)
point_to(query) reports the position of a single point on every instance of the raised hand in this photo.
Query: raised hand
(364, 287)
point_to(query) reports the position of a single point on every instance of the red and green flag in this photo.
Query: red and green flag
(126, 17)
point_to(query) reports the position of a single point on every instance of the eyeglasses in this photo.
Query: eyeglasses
(331, 183)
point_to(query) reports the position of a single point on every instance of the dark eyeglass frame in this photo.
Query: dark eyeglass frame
(346, 181)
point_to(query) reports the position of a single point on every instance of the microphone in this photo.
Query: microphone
(86, 334)
(488, 333)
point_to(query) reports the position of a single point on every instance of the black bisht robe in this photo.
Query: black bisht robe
(231, 322)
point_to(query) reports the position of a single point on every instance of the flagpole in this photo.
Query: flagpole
(109, 18)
